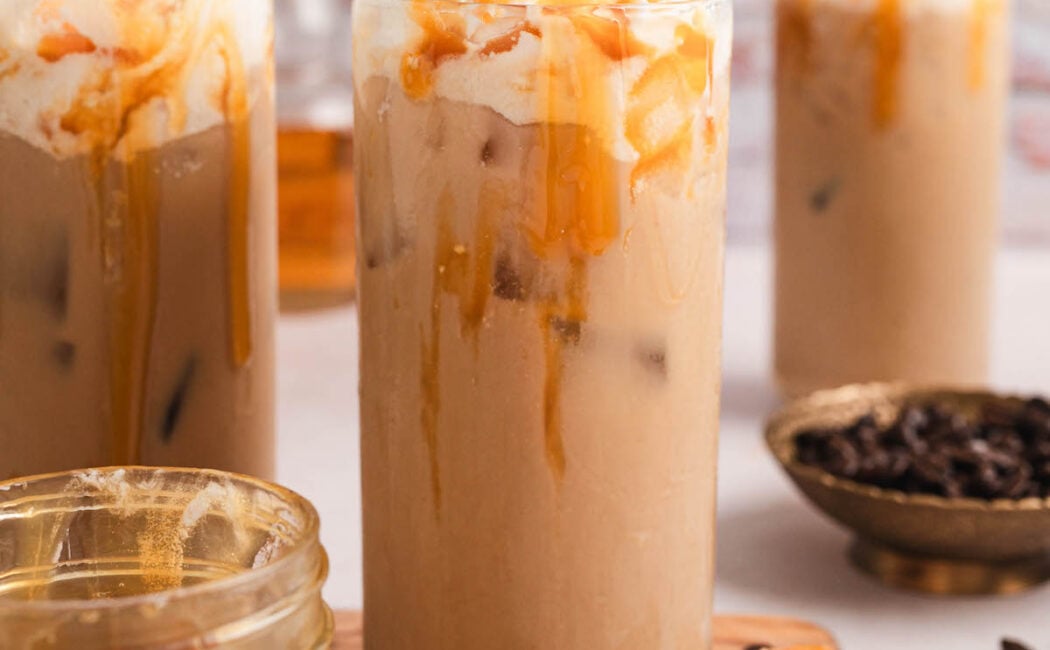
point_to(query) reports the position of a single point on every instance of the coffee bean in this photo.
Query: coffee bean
(758, 646)
(1006, 441)
(986, 482)
(810, 444)
(1002, 454)
(1015, 485)
(842, 458)
(1011, 644)
(998, 413)
(866, 436)
(914, 418)
(950, 489)
(1039, 450)
(1038, 404)
(1041, 470)
(898, 466)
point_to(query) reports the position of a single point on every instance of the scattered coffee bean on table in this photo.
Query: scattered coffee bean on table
(1010, 644)
(1003, 453)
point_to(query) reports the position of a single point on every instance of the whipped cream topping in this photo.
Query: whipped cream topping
(516, 56)
(125, 75)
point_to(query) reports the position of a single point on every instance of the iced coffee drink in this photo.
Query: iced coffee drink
(541, 197)
(137, 256)
(889, 137)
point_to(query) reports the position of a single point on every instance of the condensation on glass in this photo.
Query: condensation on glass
(137, 234)
(153, 559)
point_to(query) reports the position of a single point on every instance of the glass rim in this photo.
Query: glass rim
(307, 541)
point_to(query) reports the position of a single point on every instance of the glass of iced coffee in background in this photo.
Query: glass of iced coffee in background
(137, 234)
(541, 193)
(890, 125)
(315, 154)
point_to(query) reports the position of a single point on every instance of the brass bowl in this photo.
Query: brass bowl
(920, 542)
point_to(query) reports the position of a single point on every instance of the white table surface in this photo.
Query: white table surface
(776, 555)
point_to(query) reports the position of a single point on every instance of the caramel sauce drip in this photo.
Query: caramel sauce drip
(132, 303)
(888, 32)
(444, 36)
(578, 216)
(677, 79)
(464, 272)
(239, 148)
(981, 16)
(795, 32)
(508, 41)
(55, 47)
(116, 113)
(558, 316)
(612, 35)
(430, 351)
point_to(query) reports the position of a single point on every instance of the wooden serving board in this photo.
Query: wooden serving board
(731, 633)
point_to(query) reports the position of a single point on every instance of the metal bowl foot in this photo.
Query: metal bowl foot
(948, 576)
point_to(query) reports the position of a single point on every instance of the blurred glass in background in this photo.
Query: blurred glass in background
(1025, 218)
(1028, 167)
(315, 118)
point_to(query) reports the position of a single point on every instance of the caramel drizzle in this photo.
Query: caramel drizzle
(888, 27)
(56, 46)
(686, 71)
(430, 352)
(580, 217)
(580, 214)
(235, 108)
(795, 32)
(572, 309)
(465, 274)
(509, 41)
(132, 305)
(109, 112)
(444, 36)
(979, 26)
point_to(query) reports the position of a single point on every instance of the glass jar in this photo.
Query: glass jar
(141, 558)
(138, 253)
(542, 222)
(315, 153)
(890, 125)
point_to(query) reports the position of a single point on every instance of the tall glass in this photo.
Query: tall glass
(541, 193)
(890, 123)
(137, 234)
